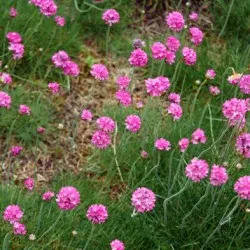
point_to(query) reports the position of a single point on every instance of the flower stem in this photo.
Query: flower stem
(90, 236)
(107, 40)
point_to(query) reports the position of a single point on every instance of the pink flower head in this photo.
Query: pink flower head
(175, 110)
(5, 100)
(139, 105)
(54, 87)
(123, 97)
(197, 170)
(196, 35)
(158, 51)
(48, 196)
(210, 74)
(243, 144)
(218, 175)
(144, 154)
(138, 58)
(198, 136)
(101, 139)
(143, 200)
(5, 78)
(194, 16)
(189, 55)
(13, 12)
(14, 37)
(48, 8)
(60, 20)
(86, 115)
(175, 21)
(19, 228)
(29, 184)
(138, 43)
(157, 86)
(12, 213)
(234, 79)
(170, 57)
(68, 198)
(174, 97)
(242, 187)
(97, 214)
(162, 144)
(18, 50)
(60, 58)
(117, 245)
(106, 124)
(183, 144)
(123, 82)
(24, 110)
(71, 68)
(173, 44)
(214, 90)
(100, 72)
(16, 150)
(245, 84)
(40, 130)
(133, 123)
(110, 17)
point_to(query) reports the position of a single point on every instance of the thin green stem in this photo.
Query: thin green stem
(90, 236)
(107, 40)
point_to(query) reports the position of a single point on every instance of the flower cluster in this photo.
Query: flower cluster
(86, 115)
(183, 144)
(189, 55)
(158, 50)
(133, 123)
(174, 98)
(111, 16)
(196, 35)
(175, 110)
(16, 150)
(101, 139)
(244, 84)
(47, 196)
(218, 175)
(106, 124)
(60, 21)
(198, 136)
(5, 78)
(162, 144)
(234, 79)
(242, 187)
(13, 12)
(29, 184)
(173, 44)
(100, 72)
(117, 245)
(5, 100)
(24, 110)
(123, 82)
(54, 87)
(210, 74)
(15, 45)
(175, 21)
(138, 58)
(194, 16)
(97, 214)
(214, 90)
(243, 144)
(157, 86)
(47, 7)
(123, 97)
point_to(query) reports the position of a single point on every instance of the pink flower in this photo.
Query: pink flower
(175, 110)
(158, 51)
(5, 78)
(162, 144)
(139, 105)
(48, 8)
(48, 196)
(54, 87)
(197, 170)
(210, 74)
(170, 57)
(194, 16)
(86, 115)
(40, 130)
(60, 20)
(101, 139)
(198, 136)
(18, 50)
(12, 213)
(29, 184)
(100, 72)
(68, 198)
(97, 214)
(242, 187)
(174, 97)
(16, 150)
(138, 58)
(245, 84)
(24, 109)
(71, 68)
(13, 12)
(214, 90)
(138, 44)
(189, 56)
(117, 245)
(123, 97)
(243, 144)
(143, 200)
(157, 86)
(5, 100)
(14, 37)
(111, 16)
(106, 124)
(183, 144)
(175, 21)
(19, 228)
(133, 123)
(144, 154)
(123, 82)
(196, 35)
(218, 175)
(60, 58)
(173, 44)
(234, 79)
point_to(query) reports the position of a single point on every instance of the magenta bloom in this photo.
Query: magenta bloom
(183, 144)
(170, 57)
(5, 78)
(14, 37)
(101, 139)
(48, 8)
(5, 100)
(40, 130)
(100, 72)
(117, 245)
(133, 123)
(54, 87)
(214, 90)
(123, 82)
(242, 187)
(173, 44)
(19, 228)
(210, 74)
(162, 144)
(197, 170)
(174, 97)
(68, 198)
(60, 58)
(243, 144)
(13, 12)
(144, 154)
(29, 184)
(196, 35)
(218, 175)
(24, 109)
(12, 213)
(158, 51)
(245, 84)
(60, 20)
(18, 50)
(143, 200)
(189, 55)
(175, 21)
(175, 111)
(198, 136)
(157, 86)
(138, 58)
(106, 124)
(48, 196)
(110, 17)
(123, 97)
(16, 150)
(86, 115)
(194, 16)
(234, 79)
(71, 68)
(97, 214)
